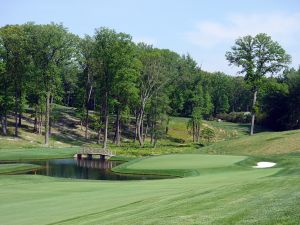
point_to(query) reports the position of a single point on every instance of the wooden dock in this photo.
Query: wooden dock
(92, 153)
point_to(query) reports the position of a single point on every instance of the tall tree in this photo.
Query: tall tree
(152, 79)
(89, 70)
(53, 48)
(6, 96)
(111, 53)
(257, 56)
(14, 43)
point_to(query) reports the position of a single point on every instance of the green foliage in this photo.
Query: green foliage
(235, 117)
(208, 134)
(258, 56)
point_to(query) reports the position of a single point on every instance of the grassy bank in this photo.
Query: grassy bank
(261, 144)
(17, 168)
(27, 154)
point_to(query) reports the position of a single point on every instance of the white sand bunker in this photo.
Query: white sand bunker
(264, 165)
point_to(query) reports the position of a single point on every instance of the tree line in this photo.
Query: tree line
(121, 81)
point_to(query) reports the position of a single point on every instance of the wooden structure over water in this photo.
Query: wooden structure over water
(92, 153)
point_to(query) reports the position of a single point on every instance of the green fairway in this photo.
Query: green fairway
(247, 195)
(217, 186)
(223, 196)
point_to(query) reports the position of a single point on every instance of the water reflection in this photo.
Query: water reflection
(98, 164)
(95, 169)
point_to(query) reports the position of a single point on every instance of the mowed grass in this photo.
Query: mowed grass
(219, 185)
(221, 195)
(25, 154)
(17, 168)
(185, 162)
(180, 165)
(253, 196)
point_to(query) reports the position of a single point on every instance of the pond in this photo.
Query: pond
(94, 169)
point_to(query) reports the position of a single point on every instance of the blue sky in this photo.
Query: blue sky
(205, 29)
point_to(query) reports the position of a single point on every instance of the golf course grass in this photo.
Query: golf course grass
(217, 184)
(15, 168)
(179, 165)
(25, 154)
(224, 196)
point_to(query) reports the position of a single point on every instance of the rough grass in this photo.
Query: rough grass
(261, 144)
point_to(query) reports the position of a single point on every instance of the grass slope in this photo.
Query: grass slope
(15, 168)
(261, 144)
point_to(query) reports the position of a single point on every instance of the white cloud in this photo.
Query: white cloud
(147, 40)
(283, 27)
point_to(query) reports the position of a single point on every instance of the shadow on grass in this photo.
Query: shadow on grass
(75, 140)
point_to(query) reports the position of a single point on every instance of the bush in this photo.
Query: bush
(208, 134)
(236, 117)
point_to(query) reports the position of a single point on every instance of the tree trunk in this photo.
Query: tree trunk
(94, 103)
(40, 121)
(39, 125)
(193, 131)
(16, 114)
(47, 116)
(20, 119)
(106, 121)
(146, 132)
(167, 125)
(99, 136)
(198, 132)
(19, 110)
(140, 125)
(87, 111)
(86, 124)
(136, 127)
(68, 99)
(50, 112)
(3, 124)
(117, 138)
(35, 127)
(253, 113)
(152, 133)
(16, 124)
(155, 140)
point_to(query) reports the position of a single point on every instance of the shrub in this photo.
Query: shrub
(236, 117)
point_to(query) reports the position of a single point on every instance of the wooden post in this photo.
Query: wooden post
(89, 156)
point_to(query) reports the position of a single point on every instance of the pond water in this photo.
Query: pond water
(94, 169)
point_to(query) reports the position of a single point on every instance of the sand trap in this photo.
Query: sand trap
(264, 165)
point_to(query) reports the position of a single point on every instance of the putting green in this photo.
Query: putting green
(186, 161)
(181, 165)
